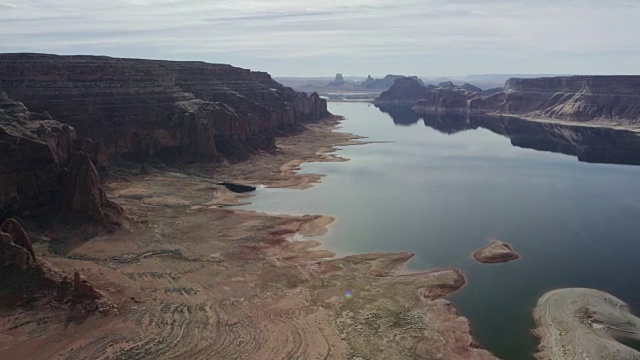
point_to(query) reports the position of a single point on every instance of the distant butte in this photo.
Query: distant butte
(496, 252)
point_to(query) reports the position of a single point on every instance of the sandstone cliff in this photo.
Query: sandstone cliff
(35, 152)
(576, 98)
(404, 91)
(604, 99)
(446, 99)
(186, 111)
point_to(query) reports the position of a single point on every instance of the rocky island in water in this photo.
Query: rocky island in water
(118, 240)
(495, 252)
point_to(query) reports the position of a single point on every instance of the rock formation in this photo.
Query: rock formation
(496, 252)
(580, 323)
(22, 276)
(83, 290)
(83, 193)
(338, 81)
(367, 81)
(575, 98)
(471, 88)
(405, 91)
(605, 99)
(446, 99)
(186, 111)
(35, 151)
(387, 82)
(15, 247)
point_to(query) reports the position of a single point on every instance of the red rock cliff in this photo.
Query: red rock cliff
(172, 110)
(35, 153)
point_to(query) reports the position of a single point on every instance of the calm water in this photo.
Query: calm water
(443, 196)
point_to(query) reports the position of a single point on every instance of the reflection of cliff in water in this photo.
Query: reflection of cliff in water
(401, 115)
(447, 123)
(589, 144)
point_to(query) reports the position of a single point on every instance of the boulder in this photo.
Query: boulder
(15, 247)
(83, 290)
(496, 252)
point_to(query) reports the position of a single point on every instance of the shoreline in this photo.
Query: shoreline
(577, 323)
(191, 277)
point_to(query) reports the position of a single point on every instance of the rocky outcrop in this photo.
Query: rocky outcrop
(83, 193)
(367, 81)
(405, 91)
(35, 152)
(445, 99)
(338, 81)
(605, 99)
(15, 247)
(24, 278)
(575, 98)
(176, 111)
(82, 290)
(471, 88)
(387, 82)
(496, 252)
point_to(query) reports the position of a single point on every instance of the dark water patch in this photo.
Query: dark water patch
(632, 343)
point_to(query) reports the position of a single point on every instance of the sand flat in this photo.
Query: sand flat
(578, 323)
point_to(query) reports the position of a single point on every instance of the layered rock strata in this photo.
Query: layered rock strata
(611, 100)
(43, 174)
(185, 111)
(576, 98)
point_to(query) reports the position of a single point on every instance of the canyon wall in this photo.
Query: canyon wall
(575, 98)
(175, 111)
(45, 170)
(611, 100)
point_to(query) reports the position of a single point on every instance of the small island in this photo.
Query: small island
(496, 252)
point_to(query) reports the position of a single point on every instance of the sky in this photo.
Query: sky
(353, 37)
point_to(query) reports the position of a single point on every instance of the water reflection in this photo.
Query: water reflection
(587, 143)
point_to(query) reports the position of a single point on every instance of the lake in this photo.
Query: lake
(444, 194)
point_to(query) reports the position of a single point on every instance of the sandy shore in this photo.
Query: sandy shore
(192, 278)
(581, 324)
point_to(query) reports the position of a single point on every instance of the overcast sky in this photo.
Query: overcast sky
(355, 37)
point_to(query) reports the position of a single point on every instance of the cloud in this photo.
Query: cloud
(304, 37)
